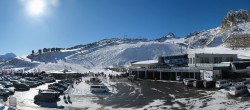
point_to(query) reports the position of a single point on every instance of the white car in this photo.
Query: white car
(237, 90)
(98, 88)
(222, 84)
(189, 82)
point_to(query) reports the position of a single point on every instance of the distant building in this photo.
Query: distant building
(64, 74)
(199, 66)
(202, 58)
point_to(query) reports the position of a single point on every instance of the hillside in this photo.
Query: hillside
(120, 51)
(239, 24)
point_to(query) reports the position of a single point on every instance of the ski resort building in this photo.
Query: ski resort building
(199, 66)
(64, 74)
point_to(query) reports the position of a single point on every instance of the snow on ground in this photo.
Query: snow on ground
(98, 58)
(25, 99)
(83, 88)
(156, 105)
(242, 53)
(214, 100)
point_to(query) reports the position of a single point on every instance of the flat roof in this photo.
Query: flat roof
(210, 54)
(146, 62)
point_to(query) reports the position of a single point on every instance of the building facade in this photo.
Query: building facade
(198, 66)
(202, 58)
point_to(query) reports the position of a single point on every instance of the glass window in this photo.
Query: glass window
(229, 59)
(190, 60)
(217, 59)
(204, 60)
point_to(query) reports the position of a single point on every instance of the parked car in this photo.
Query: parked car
(198, 84)
(59, 85)
(47, 96)
(20, 86)
(11, 89)
(98, 88)
(209, 84)
(131, 77)
(178, 78)
(4, 92)
(222, 84)
(189, 82)
(6, 83)
(49, 79)
(238, 90)
(56, 88)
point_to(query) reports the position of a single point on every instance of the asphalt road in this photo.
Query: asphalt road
(140, 93)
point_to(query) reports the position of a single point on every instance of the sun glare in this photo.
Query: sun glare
(36, 7)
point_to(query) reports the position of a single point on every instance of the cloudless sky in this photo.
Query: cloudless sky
(67, 23)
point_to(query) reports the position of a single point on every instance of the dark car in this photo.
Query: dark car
(6, 83)
(56, 88)
(21, 86)
(31, 84)
(11, 90)
(59, 85)
(4, 92)
(47, 96)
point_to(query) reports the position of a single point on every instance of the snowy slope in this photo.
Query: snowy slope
(217, 36)
(105, 56)
(121, 51)
(237, 22)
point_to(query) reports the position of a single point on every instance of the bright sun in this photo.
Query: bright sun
(36, 7)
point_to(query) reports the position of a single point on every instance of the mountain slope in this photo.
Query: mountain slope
(104, 56)
(120, 51)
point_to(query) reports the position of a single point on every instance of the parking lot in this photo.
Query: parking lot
(124, 94)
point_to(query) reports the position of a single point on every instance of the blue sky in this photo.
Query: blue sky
(27, 25)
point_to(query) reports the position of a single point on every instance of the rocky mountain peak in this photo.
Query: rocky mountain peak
(170, 35)
(235, 17)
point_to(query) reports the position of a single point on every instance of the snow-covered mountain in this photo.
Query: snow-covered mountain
(8, 56)
(237, 22)
(121, 51)
(105, 54)
(167, 37)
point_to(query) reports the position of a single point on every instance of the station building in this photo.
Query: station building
(200, 66)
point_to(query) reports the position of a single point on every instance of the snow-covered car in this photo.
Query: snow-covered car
(98, 88)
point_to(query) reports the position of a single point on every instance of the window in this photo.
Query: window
(217, 59)
(190, 60)
(204, 60)
(229, 59)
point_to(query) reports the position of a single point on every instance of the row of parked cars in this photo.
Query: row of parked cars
(234, 88)
(199, 83)
(10, 84)
(53, 92)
